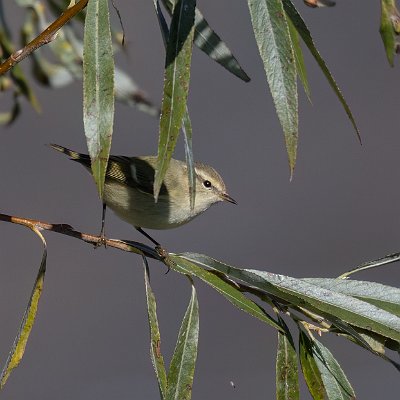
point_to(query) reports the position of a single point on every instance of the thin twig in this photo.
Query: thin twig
(391, 258)
(49, 34)
(68, 230)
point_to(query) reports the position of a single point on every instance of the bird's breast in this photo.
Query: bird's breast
(139, 209)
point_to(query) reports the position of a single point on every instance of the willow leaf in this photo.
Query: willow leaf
(155, 337)
(207, 40)
(28, 319)
(305, 34)
(316, 299)
(186, 123)
(210, 43)
(98, 88)
(187, 134)
(386, 30)
(181, 370)
(311, 373)
(383, 296)
(336, 384)
(287, 375)
(229, 291)
(298, 53)
(176, 85)
(275, 47)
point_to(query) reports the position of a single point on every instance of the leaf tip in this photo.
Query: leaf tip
(291, 148)
(156, 190)
(245, 77)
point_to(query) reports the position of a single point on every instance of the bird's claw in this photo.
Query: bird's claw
(163, 254)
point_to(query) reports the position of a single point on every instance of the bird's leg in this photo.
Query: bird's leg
(138, 228)
(102, 232)
(160, 250)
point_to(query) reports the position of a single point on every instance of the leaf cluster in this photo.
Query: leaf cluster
(366, 313)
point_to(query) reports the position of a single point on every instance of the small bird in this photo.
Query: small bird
(128, 191)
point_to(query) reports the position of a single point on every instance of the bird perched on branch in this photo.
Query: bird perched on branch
(128, 191)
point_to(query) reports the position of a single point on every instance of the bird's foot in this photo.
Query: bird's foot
(102, 240)
(163, 254)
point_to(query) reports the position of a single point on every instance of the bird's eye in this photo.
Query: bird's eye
(207, 184)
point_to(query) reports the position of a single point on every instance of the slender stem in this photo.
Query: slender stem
(391, 258)
(49, 34)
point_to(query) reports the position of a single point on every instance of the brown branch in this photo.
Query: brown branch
(64, 229)
(49, 34)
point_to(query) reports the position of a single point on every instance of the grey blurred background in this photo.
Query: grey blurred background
(91, 337)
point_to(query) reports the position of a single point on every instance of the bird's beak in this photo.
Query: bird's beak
(226, 197)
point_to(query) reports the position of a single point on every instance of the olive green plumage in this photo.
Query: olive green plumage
(128, 190)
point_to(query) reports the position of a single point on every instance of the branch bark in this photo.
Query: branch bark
(49, 34)
(96, 240)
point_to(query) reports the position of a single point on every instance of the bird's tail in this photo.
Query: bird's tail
(73, 155)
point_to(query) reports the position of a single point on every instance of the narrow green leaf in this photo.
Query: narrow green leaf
(187, 134)
(211, 44)
(176, 85)
(374, 341)
(187, 124)
(368, 340)
(351, 332)
(314, 298)
(388, 34)
(181, 370)
(391, 258)
(287, 375)
(28, 319)
(98, 88)
(162, 22)
(305, 34)
(336, 384)
(275, 47)
(311, 373)
(155, 337)
(230, 292)
(392, 344)
(371, 341)
(385, 297)
(377, 344)
(298, 53)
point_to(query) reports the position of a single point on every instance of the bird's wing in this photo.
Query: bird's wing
(134, 172)
(131, 171)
